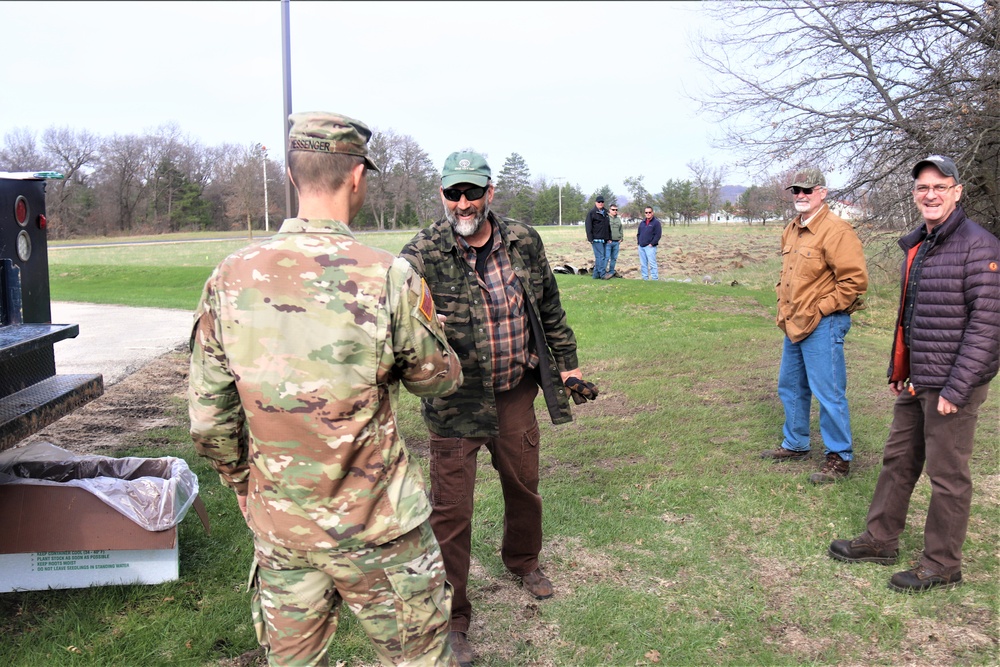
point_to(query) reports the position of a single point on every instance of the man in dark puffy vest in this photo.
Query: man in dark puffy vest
(946, 351)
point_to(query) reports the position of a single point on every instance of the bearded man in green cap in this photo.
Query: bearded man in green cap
(300, 343)
(492, 282)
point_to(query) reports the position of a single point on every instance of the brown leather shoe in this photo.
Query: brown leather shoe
(782, 454)
(921, 579)
(538, 585)
(860, 550)
(461, 648)
(833, 469)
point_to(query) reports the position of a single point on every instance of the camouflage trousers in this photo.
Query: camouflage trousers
(397, 591)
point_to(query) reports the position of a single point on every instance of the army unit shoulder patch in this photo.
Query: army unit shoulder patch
(426, 302)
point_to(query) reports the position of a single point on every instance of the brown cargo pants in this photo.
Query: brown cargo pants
(514, 455)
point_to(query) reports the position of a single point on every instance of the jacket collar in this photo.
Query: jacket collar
(314, 226)
(818, 217)
(944, 230)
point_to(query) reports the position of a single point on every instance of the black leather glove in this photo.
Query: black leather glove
(581, 391)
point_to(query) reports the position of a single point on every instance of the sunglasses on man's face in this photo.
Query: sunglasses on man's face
(804, 191)
(471, 194)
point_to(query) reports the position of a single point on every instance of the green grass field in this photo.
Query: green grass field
(669, 540)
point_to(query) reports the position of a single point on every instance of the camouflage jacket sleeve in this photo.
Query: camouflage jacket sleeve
(218, 423)
(425, 361)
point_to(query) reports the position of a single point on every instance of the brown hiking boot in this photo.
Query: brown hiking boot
(833, 468)
(461, 648)
(538, 585)
(860, 550)
(920, 579)
(782, 454)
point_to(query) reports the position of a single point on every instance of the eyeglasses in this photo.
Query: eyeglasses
(471, 194)
(938, 189)
(614, 209)
(649, 213)
(805, 191)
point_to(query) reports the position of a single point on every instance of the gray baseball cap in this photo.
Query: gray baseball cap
(943, 164)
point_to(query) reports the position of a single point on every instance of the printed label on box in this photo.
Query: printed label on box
(80, 569)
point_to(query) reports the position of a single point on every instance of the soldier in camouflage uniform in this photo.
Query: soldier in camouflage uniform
(299, 345)
(491, 280)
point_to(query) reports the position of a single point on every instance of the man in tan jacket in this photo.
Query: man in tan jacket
(823, 275)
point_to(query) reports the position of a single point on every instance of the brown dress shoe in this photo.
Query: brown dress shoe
(782, 454)
(860, 550)
(921, 579)
(461, 648)
(833, 468)
(538, 585)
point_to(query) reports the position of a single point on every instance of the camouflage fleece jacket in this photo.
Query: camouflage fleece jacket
(471, 411)
(298, 348)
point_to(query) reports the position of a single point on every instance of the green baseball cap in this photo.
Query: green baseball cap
(808, 178)
(465, 167)
(323, 132)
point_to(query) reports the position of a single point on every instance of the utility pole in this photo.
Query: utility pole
(291, 201)
(263, 162)
(559, 180)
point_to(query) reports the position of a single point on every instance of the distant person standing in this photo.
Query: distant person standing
(300, 344)
(598, 234)
(945, 353)
(648, 236)
(615, 225)
(823, 275)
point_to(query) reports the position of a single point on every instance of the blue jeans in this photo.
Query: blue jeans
(600, 258)
(612, 255)
(815, 367)
(647, 262)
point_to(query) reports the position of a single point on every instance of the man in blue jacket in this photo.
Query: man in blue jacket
(649, 237)
(946, 351)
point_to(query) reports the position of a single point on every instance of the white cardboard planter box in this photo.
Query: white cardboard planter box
(60, 536)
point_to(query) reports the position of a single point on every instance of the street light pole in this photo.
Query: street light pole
(263, 162)
(559, 180)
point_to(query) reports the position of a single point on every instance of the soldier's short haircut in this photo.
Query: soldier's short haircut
(325, 172)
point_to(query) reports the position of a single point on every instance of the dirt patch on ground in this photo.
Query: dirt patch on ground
(699, 258)
(143, 401)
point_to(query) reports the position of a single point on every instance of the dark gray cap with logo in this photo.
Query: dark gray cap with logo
(943, 164)
(465, 167)
(808, 178)
(324, 132)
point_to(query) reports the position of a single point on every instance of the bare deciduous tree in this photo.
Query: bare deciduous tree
(20, 151)
(405, 192)
(74, 154)
(862, 87)
(708, 181)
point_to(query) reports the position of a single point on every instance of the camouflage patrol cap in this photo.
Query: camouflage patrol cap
(808, 178)
(465, 167)
(323, 132)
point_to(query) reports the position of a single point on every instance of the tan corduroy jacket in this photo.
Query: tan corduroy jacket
(823, 271)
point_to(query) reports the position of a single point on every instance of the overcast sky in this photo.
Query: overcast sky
(593, 92)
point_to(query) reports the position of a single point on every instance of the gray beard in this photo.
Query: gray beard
(463, 228)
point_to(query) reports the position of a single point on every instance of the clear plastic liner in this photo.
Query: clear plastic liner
(154, 493)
